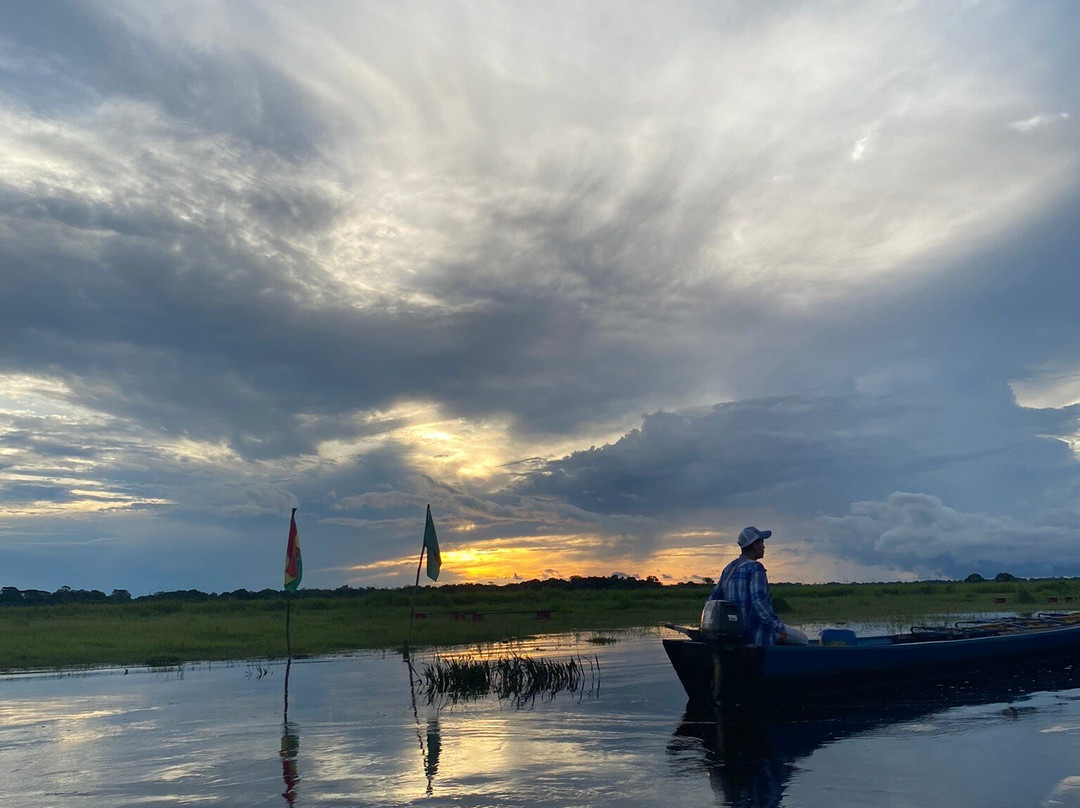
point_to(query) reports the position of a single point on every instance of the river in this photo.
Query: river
(357, 734)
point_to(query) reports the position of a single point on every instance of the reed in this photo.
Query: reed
(519, 679)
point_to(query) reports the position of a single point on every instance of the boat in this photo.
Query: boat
(749, 759)
(723, 675)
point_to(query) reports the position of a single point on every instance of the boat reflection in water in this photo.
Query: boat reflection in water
(750, 759)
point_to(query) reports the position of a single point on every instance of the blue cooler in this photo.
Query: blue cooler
(837, 636)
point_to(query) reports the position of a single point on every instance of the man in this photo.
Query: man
(745, 584)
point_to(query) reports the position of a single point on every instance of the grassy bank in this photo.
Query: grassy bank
(166, 632)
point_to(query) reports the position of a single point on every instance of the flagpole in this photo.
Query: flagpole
(416, 588)
(434, 561)
(288, 650)
(288, 621)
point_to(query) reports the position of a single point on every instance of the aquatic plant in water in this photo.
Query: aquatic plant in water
(602, 639)
(519, 679)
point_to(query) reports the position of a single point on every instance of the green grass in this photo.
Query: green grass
(162, 632)
(837, 602)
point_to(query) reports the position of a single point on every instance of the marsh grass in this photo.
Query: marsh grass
(602, 639)
(171, 632)
(519, 679)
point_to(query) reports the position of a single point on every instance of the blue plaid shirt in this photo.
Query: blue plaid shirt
(747, 586)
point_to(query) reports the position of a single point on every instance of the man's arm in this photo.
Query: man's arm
(761, 600)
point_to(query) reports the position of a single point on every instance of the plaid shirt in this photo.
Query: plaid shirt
(744, 583)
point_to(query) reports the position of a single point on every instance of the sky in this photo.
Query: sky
(602, 283)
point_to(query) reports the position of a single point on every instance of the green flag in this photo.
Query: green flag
(431, 547)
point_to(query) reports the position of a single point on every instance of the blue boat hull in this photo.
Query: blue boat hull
(726, 678)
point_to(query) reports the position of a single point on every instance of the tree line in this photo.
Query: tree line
(13, 596)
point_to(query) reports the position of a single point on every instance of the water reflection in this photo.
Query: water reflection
(217, 737)
(290, 750)
(290, 746)
(429, 751)
(749, 761)
(739, 775)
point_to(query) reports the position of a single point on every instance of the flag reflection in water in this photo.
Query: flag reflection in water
(290, 748)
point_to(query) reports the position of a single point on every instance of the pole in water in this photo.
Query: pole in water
(288, 650)
(288, 620)
(412, 606)
(288, 669)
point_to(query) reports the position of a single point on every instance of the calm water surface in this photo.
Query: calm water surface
(215, 735)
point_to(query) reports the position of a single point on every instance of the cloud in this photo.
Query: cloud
(809, 453)
(197, 292)
(919, 532)
(364, 258)
(261, 500)
(1038, 122)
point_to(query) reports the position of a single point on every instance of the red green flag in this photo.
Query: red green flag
(431, 547)
(294, 564)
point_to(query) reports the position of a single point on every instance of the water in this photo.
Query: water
(215, 735)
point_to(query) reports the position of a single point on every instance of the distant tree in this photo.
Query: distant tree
(120, 596)
(10, 596)
(62, 595)
(974, 578)
(1004, 577)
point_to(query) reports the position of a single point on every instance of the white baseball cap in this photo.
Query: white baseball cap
(751, 534)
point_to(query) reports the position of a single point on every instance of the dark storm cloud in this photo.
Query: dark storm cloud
(809, 454)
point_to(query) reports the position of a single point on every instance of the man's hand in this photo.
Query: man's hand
(783, 636)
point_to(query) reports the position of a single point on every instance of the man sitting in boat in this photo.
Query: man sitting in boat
(744, 583)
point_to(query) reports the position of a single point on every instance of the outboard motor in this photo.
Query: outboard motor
(721, 629)
(721, 620)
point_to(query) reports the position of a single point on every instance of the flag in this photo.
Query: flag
(294, 564)
(431, 547)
